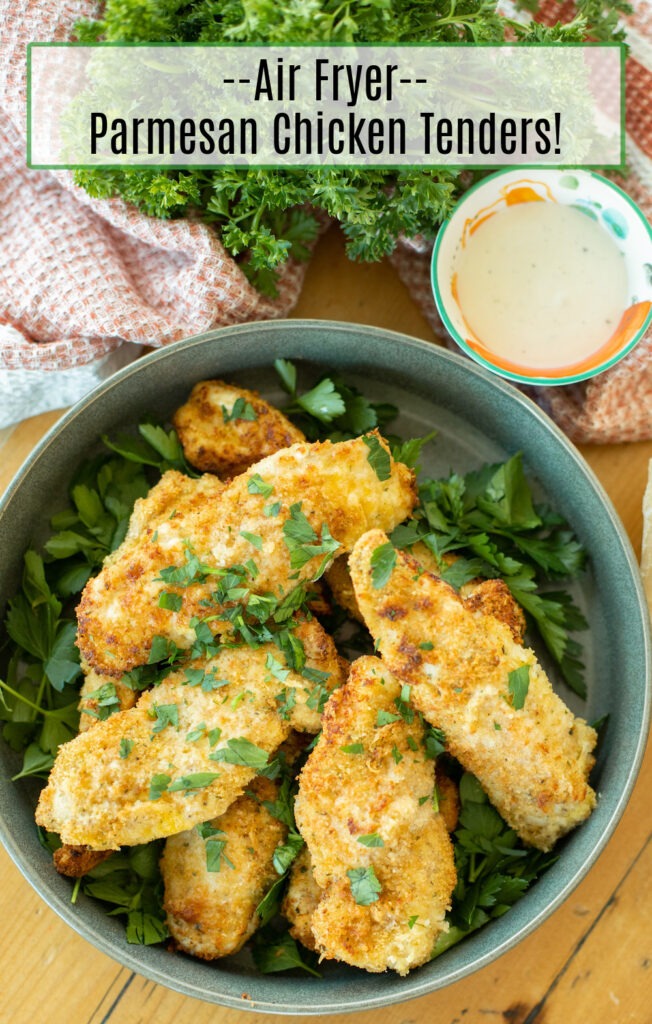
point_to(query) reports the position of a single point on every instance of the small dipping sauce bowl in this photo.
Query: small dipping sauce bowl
(544, 276)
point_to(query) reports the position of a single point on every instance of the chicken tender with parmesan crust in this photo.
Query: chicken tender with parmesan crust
(225, 429)
(368, 779)
(133, 778)
(301, 900)
(492, 597)
(212, 913)
(119, 613)
(533, 761)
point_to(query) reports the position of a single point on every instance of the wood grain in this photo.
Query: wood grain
(590, 961)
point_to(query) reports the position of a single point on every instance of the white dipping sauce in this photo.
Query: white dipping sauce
(541, 284)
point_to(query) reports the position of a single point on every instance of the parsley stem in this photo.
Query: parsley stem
(25, 700)
(75, 891)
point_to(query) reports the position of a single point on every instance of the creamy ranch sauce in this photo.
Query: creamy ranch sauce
(542, 284)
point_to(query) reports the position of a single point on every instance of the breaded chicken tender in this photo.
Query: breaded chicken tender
(533, 761)
(211, 914)
(220, 436)
(119, 614)
(175, 496)
(367, 779)
(131, 778)
(492, 597)
(77, 861)
(301, 900)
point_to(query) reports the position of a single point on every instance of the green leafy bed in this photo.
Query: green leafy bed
(265, 216)
(488, 518)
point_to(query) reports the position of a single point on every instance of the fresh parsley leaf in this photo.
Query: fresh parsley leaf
(378, 457)
(365, 887)
(256, 485)
(323, 402)
(353, 748)
(243, 752)
(158, 785)
(383, 560)
(278, 953)
(518, 685)
(385, 718)
(287, 371)
(173, 602)
(165, 714)
(371, 840)
(269, 511)
(190, 783)
(284, 855)
(126, 746)
(241, 410)
(409, 452)
(253, 538)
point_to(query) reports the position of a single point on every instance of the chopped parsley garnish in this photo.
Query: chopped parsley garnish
(106, 702)
(189, 783)
(215, 847)
(196, 733)
(371, 839)
(126, 746)
(303, 543)
(173, 602)
(365, 887)
(284, 855)
(385, 718)
(253, 538)
(286, 701)
(378, 457)
(396, 754)
(165, 714)
(165, 650)
(518, 686)
(353, 748)
(383, 560)
(272, 510)
(158, 785)
(243, 752)
(427, 645)
(241, 410)
(256, 485)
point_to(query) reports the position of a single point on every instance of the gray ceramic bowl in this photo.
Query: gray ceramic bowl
(478, 418)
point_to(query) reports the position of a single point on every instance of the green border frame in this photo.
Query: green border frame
(507, 374)
(298, 167)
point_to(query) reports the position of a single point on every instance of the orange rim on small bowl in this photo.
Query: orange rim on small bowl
(620, 216)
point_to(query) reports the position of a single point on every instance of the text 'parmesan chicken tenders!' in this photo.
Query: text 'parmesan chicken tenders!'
(185, 751)
(288, 515)
(502, 719)
(380, 850)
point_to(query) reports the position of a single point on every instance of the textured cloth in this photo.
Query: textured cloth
(79, 277)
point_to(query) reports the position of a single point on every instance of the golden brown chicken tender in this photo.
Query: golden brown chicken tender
(301, 900)
(77, 861)
(380, 851)
(281, 532)
(151, 771)
(492, 597)
(225, 429)
(211, 892)
(529, 753)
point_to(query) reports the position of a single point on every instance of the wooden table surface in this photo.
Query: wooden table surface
(590, 962)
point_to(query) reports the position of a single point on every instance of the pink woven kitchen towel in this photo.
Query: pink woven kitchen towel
(79, 277)
(616, 405)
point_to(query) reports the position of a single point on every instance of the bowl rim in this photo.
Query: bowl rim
(459, 340)
(414, 987)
